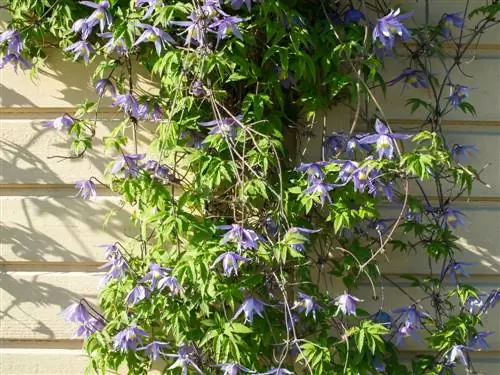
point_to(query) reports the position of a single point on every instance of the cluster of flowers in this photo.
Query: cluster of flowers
(13, 53)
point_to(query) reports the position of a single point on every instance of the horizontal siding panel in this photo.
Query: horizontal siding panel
(392, 298)
(25, 148)
(479, 241)
(483, 93)
(59, 229)
(32, 301)
(42, 361)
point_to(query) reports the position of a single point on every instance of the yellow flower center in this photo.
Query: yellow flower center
(152, 37)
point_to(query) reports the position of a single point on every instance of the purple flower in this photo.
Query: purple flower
(117, 267)
(129, 163)
(15, 60)
(389, 28)
(413, 77)
(335, 143)
(406, 330)
(237, 4)
(76, 313)
(137, 294)
(154, 349)
(81, 48)
(150, 111)
(363, 178)
(114, 45)
(457, 351)
(276, 371)
(128, 104)
(244, 238)
(317, 187)
(453, 218)
(471, 303)
(347, 170)
(129, 338)
(111, 251)
(306, 304)
(89, 327)
(63, 122)
(353, 16)
(347, 303)
(226, 27)
(184, 359)
(458, 94)
(172, 284)
(152, 5)
(104, 85)
(86, 189)
(459, 152)
(82, 26)
(155, 274)
(313, 169)
(154, 35)
(232, 368)
(14, 42)
(412, 316)
(226, 127)
(230, 262)
(296, 237)
(383, 139)
(492, 299)
(161, 171)
(478, 340)
(449, 20)
(197, 89)
(457, 267)
(250, 307)
(100, 15)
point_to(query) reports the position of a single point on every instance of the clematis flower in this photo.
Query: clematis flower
(114, 45)
(150, 111)
(413, 77)
(232, 368)
(16, 61)
(347, 303)
(461, 152)
(412, 316)
(154, 349)
(172, 284)
(104, 85)
(13, 40)
(492, 299)
(117, 267)
(128, 104)
(89, 327)
(306, 304)
(405, 330)
(82, 26)
(471, 303)
(353, 16)
(335, 143)
(237, 4)
(383, 318)
(298, 237)
(225, 127)
(478, 340)
(129, 339)
(389, 28)
(197, 89)
(86, 189)
(184, 359)
(383, 139)
(151, 6)
(100, 15)
(313, 169)
(230, 262)
(449, 20)
(76, 313)
(226, 27)
(111, 251)
(250, 307)
(63, 122)
(453, 218)
(137, 294)
(155, 274)
(244, 238)
(155, 35)
(318, 187)
(458, 94)
(457, 267)
(128, 163)
(363, 178)
(457, 352)
(81, 48)
(347, 170)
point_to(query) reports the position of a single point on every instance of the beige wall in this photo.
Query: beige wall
(48, 254)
